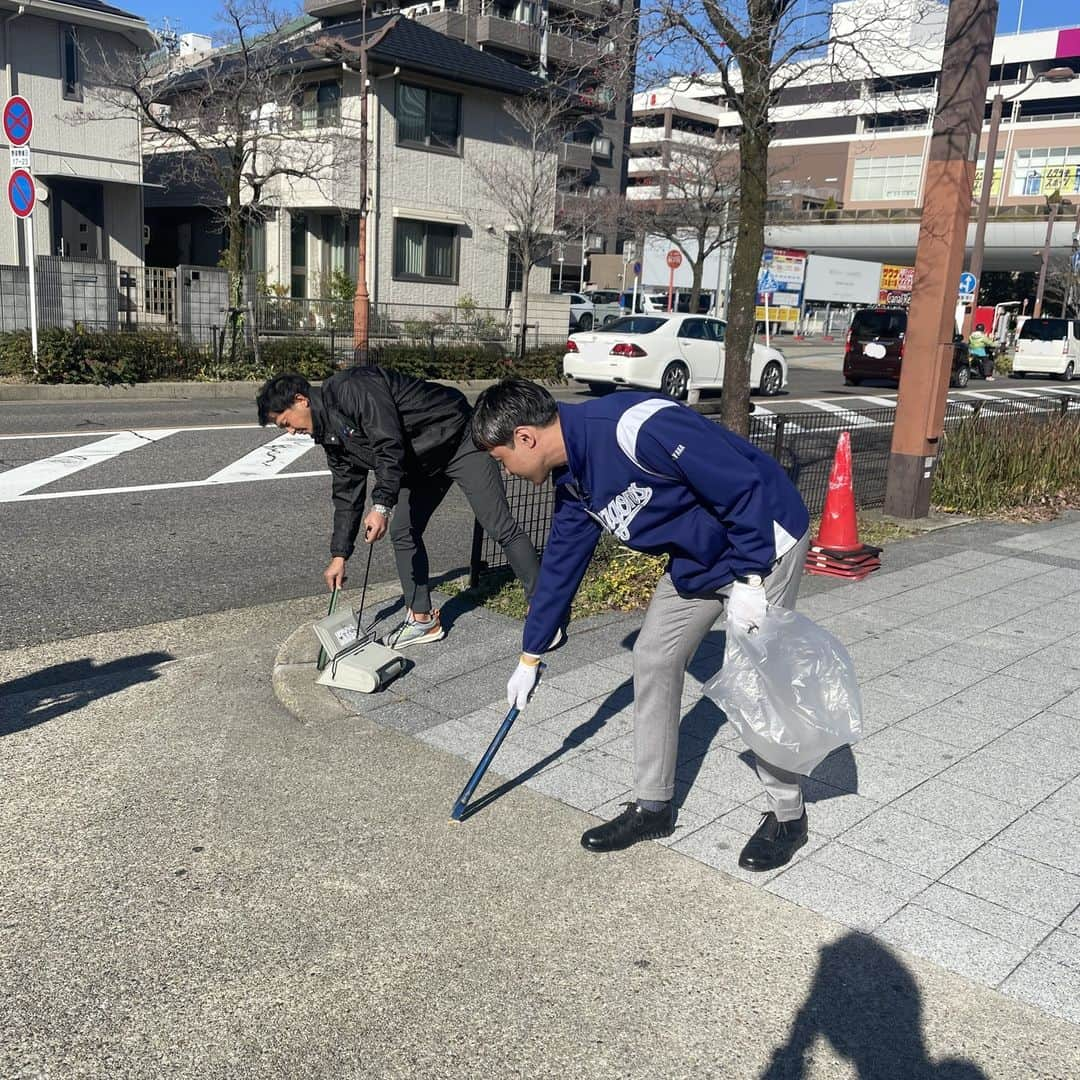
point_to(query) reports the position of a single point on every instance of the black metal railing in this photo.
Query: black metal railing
(804, 443)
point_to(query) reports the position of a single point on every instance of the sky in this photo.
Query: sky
(198, 16)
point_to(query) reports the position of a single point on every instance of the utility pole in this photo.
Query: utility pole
(1044, 265)
(361, 301)
(950, 174)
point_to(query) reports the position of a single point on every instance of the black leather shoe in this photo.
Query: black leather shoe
(774, 843)
(632, 825)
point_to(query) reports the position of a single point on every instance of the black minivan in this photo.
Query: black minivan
(875, 348)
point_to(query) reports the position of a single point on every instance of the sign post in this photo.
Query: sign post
(674, 261)
(767, 284)
(18, 122)
(637, 281)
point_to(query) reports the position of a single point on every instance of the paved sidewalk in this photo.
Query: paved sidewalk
(950, 832)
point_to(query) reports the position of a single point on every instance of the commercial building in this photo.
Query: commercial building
(848, 159)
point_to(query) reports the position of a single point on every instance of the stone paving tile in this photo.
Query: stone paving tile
(909, 750)
(575, 786)
(959, 676)
(1045, 672)
(1044, 839)
(718, 845)
(1053, 727)
(981, 703)
(1054, 759)
(999, 779)
(829, 811)
(724, 772)
(1033, 629)
(1069, 705)
(1020, 690)
(591, 681)
(1019, 883)
(913, 843)
(623, 662)
(925, 693)
(956, 729)
(880, 709)
(956, 808)
(1044, 981)
(547, 701)
(703, 803)
(850, 626)
(849, 862)
(988, 646)
(990, 918)
(952, 944)
(868, 776)
(854, 903)
(582, 722)
(456, 737)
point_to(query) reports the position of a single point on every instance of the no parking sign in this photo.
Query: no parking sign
(18, 120)
(21, 193)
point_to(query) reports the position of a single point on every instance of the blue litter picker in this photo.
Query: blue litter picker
(354, 659)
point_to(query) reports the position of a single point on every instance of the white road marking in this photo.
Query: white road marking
(23, 478)
(120, 431)
(884, 402)
(851, 417)
(265, 461)
(163, 487)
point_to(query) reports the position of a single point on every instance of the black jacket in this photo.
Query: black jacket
(402, 429)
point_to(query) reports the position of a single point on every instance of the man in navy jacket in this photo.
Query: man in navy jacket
(661, 479)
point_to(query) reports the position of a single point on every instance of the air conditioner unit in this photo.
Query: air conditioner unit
(438, 5)
(601, 147)
(595, 242)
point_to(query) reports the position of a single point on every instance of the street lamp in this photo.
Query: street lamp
(1054, 75)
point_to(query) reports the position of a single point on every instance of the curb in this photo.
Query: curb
(293, 674)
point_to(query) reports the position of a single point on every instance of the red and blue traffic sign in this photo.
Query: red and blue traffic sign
(18, 120)
(21, 193)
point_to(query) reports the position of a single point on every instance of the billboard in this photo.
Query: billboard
(842, 281)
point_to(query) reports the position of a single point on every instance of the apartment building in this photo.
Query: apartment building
(88, 174)
(571, 41)
(848, 158)
(436, 114)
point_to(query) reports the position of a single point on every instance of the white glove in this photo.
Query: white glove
(746, 605)
(523, 681)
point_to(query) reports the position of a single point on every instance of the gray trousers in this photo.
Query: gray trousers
(478, 474)
(673, 629)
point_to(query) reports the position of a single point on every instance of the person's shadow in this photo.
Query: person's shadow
(864, 1002)
(44, 695)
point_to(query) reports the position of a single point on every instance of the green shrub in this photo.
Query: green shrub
(477, 361)
(994, 464)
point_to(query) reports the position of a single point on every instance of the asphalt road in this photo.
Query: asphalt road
(111, 557)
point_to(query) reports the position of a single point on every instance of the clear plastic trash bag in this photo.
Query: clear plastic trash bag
(790, 690)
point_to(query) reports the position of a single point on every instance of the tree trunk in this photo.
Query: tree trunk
(526, 270)
(234, 264)
(749, 244)
(698, 271)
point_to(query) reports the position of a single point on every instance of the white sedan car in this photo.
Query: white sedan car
(670, 353)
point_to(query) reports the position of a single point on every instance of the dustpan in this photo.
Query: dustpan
(354, 659)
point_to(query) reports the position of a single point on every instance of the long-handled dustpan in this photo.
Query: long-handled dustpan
(356, 660)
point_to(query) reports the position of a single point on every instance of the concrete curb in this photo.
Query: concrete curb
(294, 671)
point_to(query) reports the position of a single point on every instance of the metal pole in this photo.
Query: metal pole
(984, 205)
(1037, 310)
(32, 260)
(361, 301)
(950, 175)
(581, 281)
(722, 265)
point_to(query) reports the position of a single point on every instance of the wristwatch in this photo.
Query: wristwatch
(750, 579)
(386, 511)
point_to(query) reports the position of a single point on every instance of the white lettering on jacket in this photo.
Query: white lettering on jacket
(621, 511)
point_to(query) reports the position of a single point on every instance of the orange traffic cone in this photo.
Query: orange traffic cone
(837, 551)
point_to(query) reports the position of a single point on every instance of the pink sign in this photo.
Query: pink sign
(1068, 43)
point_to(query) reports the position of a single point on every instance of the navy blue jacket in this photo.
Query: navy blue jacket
(662, 479)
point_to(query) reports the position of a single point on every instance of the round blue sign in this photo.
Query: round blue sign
(21, 194)
(18, 121)
(967, 284)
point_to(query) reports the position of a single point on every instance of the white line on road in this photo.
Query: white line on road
(16, 482)
(149, 432)
(265, 461)
(852, 418)
(163, 487)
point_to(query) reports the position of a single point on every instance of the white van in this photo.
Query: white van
(1048, 347)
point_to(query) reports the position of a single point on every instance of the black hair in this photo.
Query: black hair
(507, 405)
(278, 393)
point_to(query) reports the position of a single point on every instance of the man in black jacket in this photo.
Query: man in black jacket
(415, 437)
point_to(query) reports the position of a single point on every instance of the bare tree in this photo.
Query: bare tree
(520, 179)
(240, 125)
(697, 210)
(757, 49)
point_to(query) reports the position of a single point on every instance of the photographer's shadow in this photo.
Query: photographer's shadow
(865, 1003)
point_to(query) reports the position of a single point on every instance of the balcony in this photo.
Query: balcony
(509, 34)
(646, 136)
(576, 156)
(645, 166)
(451, 23)
(571, 49)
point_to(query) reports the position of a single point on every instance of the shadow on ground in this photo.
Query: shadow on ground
(47, 694)
(864, 1002)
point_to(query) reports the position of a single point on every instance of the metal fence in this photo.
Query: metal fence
(804, 443)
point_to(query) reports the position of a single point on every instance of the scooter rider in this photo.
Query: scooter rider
(661, 478)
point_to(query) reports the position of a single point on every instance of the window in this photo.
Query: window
(886, 179)
(428, 118)
(635, 324)
(298, 231)
(1045, 330)
(425, 251)
(71, 62)
(980, 170)
(1044, 170)
(694, 329)
(319, 105)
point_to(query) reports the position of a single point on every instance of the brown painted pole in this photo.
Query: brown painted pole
(1045, 264)
(950, 174)
(361, 301)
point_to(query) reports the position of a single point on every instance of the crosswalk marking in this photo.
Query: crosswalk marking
(851, 418)
(120, 431)
(16, 482)
(265, 461)
(39, 495)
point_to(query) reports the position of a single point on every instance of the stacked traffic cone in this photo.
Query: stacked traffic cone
(837, 552)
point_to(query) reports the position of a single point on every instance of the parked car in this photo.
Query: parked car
(875, 348)
(670, 353)
(680, 301)
(591, 309)
(1049, 347)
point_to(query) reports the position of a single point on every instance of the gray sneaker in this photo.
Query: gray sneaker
(412, 632)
